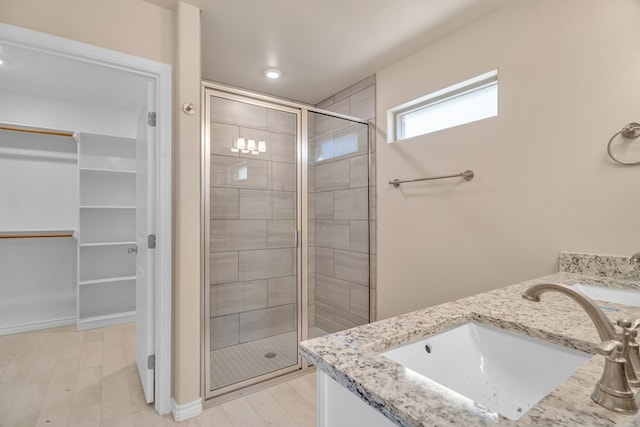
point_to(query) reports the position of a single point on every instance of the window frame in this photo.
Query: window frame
(457, 90)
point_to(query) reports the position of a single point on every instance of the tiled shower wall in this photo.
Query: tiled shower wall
(253, 260)
(342, 212)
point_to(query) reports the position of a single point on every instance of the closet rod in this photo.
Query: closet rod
(33, 236)
(44, 132)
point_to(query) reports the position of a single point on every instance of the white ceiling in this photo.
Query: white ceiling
(35, 72)
(322, 46)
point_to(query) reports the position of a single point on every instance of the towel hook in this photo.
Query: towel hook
(631, 130)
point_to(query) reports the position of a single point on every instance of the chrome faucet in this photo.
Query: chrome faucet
(620, 348)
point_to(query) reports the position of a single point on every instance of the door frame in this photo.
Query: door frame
(160, 74)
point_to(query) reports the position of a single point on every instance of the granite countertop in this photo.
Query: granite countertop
(353, 359)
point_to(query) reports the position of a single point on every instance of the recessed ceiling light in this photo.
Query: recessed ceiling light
(273, 73)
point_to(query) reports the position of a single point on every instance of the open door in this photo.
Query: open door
(145, 240)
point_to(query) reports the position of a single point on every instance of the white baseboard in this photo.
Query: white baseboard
(188, 410)
(35, 326)
(108, 320)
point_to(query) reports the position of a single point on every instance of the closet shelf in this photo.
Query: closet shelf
(37, 130)
(39, 231)
(27, 153)
(84, 245)
(33, 234)
(107, 280)
(106, 170)
(107, 207)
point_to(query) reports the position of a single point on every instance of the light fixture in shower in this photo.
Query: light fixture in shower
(240, 145)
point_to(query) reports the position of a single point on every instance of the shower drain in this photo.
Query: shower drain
(270, 355)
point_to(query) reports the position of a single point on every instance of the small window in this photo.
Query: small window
(468, 101)
(338, 144)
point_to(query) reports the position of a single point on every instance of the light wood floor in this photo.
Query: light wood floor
(60, 377)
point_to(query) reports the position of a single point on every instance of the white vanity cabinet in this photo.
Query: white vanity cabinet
(107, 232)
(338, 407)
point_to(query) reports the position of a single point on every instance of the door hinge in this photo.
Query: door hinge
(151, 119)
(151, 361)
(151, 241)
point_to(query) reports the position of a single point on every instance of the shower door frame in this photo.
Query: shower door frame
(208, 89)
(206, 215)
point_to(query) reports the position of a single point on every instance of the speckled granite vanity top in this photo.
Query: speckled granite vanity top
(353, 359)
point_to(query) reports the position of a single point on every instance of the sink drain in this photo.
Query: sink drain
(270, 355)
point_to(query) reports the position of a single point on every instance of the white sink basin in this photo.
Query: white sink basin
(600, 293)
(505, 372)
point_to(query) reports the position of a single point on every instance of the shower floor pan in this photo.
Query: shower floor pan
(240, 362)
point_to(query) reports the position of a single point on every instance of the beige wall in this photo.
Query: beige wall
(568, 79)
(129, 26)
(186, 249)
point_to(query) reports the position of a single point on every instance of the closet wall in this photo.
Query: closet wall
(39, 189)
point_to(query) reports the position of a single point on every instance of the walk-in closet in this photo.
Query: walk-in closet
(68, 186)
(84, 173)
(69, 206)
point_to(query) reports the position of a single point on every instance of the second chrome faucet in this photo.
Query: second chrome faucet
(622, 365)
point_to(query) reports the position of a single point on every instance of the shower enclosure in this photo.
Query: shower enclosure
(286, 233)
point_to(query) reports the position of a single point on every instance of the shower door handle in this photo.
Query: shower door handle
(295, 238)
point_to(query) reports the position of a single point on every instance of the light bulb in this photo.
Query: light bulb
(234, 145)
(273, 73)
(262, 146)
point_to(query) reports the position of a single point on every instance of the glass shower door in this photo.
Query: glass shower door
(338, 224)
(253, 288)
